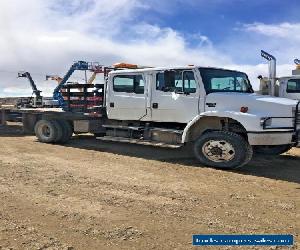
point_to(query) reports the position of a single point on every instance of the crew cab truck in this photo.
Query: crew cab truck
(215, 110)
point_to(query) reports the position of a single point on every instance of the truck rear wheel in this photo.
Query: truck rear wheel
(47, 131)
(272, 150)
(222, 149)
(67, 131)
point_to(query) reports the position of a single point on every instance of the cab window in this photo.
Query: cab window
(293, 86)
(129, 84)
(189, 82)
(176, 80)
(219, 80)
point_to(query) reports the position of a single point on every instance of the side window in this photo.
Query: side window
(129, 84)
(169, 81)
(179, 80)
(189, 82)
(160, 81)
(178, 83)
(291, 86)
(123, 83)
(139, 84)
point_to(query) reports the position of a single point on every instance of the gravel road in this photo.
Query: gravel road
(91, 194)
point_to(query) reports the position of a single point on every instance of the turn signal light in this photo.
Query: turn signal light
(244, 109)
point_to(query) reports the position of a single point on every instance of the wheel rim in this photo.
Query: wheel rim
(218, 151)
(46, 131)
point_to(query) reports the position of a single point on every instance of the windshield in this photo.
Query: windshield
(293, 86)
(220, 80)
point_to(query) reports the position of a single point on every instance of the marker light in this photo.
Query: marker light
(244, 109)
(125, 65)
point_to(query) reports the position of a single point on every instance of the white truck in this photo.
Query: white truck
(286, 87)
(215, 110)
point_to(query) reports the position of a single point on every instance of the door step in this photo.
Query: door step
(175, 131)
(138, 141)
(123, 127)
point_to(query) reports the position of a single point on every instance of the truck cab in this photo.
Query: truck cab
(179, 105)
(156, 95)
(289, 87)
(285, 87)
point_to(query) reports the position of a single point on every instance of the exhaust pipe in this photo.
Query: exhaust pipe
(272, 71)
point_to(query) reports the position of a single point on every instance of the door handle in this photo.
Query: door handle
(112, 104)
(155, 105)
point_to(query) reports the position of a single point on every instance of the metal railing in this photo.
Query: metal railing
(296, 120)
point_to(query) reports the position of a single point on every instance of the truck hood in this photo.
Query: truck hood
(257, 104)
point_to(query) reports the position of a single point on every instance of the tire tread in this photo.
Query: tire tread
(248, 151)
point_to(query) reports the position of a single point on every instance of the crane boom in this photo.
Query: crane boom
(35, 90)
(80, 65)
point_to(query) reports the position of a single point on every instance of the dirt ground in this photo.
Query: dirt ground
(91, 194)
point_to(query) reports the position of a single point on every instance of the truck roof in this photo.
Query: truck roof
(290, 77)
(165, 68)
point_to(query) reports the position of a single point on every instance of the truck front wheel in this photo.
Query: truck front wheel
(222, 149)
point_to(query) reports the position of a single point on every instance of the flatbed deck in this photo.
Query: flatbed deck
(29, 116)
(45, 111)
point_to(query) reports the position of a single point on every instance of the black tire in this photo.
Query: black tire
(239, 151)
(47, 131)
(59, 130)
(67, 131)
(272, 150)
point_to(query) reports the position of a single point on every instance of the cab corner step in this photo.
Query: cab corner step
(139, 141)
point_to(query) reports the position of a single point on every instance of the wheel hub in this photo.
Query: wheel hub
(46, 131)
(218, 151)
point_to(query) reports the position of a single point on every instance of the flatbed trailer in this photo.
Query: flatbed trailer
(8, 113)
(83, 109)
(81, 122)
(84, 123)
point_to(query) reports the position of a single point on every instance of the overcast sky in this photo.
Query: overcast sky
(46, 36)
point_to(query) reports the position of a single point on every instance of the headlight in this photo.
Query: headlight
(265, 121)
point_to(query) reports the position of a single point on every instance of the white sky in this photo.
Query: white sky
(45, 37)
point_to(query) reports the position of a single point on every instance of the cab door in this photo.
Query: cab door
(126, 99)
(175, 96)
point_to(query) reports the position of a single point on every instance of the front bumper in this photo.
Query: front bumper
(279, 134)
(271, 138)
